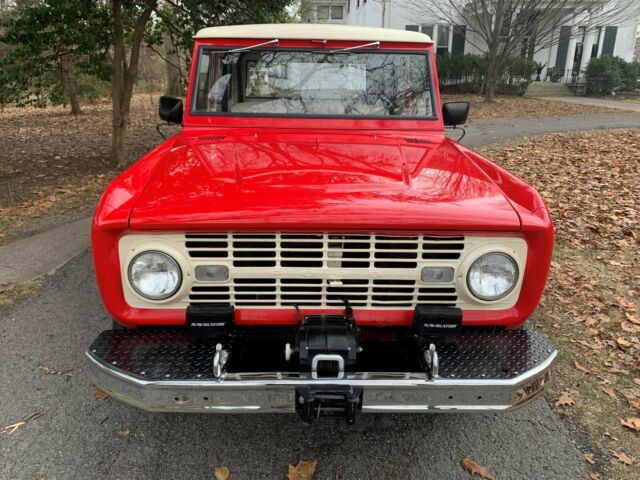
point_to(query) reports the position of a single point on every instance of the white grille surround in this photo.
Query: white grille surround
(321, 270)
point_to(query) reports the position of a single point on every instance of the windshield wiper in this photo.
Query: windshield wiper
(275, 41)
(372, 44)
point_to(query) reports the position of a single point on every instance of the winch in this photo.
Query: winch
(327, 348)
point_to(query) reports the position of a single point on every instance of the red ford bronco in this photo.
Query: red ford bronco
(312, 242)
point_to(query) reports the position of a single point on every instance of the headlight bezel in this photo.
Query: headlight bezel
(506, 293)
(141, 294)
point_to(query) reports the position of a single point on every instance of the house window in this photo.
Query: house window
(442, 45)
(412, 28)
(427, 30)
(322, 13)
(329, 12)
(596, 42)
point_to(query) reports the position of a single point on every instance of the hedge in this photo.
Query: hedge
(465, 73)
(609, 74)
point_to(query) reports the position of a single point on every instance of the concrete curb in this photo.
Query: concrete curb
(44, 253)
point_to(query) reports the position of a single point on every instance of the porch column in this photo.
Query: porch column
(568, 65)
(586, 49)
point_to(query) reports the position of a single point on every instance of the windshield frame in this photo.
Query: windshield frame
(207, 47)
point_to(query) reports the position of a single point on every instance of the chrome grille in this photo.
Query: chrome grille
(323, 270)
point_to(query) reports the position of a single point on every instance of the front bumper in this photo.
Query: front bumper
(480, 370)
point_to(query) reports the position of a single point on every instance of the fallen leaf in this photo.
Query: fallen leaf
(623, 458)
(474, 469)
(636, 381)
(51, 371)
(41, 476)
(623, 342)
(564, 400)
(610, 391)
(632, 318)
(9, 429)
(632, 422)
(48, 370)
(589, 458)
(221, 472)
(304, 470)
(634, 405)
(100, 394)
(581, 367)
(123, 432)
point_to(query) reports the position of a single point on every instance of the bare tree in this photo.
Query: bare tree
(500, 28)
(125, 69)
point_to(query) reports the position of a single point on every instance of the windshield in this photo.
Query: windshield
(310, 83)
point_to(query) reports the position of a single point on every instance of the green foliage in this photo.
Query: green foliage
(608, 74)
(520, 68)
(186, 17)
(466, 73)
(38, 39)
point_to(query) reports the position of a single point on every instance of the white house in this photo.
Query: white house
(573, 45)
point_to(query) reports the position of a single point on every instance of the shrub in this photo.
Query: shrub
(608, 74)
(465, 74)
(466, 70)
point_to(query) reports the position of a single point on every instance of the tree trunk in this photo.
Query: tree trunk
(491, 80)
(69, 81)
(124, 75)
(172, 74)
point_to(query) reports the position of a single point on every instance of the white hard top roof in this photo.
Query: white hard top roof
(314, 31)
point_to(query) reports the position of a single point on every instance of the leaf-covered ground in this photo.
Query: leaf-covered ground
(51, 161)
(591, 182)
(511, 107)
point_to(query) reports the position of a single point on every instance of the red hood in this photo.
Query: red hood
(302, 181)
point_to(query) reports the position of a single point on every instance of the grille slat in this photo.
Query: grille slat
(271, 270)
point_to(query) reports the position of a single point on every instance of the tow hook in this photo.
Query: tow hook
(220, 361)
(431, 361)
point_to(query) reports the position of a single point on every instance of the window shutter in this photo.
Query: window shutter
(563, 47)
(459, 35)
(609, 42)
(412, 28)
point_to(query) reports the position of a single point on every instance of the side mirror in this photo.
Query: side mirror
(171, 109)
(455, 113)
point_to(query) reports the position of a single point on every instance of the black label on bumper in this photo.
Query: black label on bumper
(432, 320)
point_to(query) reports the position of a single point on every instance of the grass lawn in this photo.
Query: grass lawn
(591, 182)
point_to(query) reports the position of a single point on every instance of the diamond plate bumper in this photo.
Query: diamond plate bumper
(480, 370)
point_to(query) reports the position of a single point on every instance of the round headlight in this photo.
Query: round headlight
(492, 276)
(155, 275)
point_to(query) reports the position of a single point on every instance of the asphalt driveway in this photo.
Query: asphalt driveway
(81, 437)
